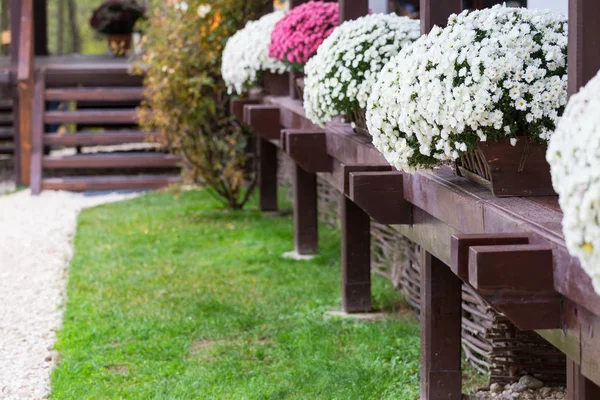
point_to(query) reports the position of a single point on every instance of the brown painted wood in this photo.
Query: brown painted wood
(353, 9)
(104, 117)
(264, 119)
(345, 169)
(100, 138)
(356, 257)
(436, 12)
(308, 148)
(236, 107)
(90, 183)
(41, 27)
(306, 228)
(381, 195)
(96, 94)
(584, 42)
(267, 174)
(578, 386)
(517, 280)
(461, 244)
(37, 139)
(127, 160)
(441, 376)
(25, 82)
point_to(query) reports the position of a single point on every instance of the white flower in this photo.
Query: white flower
(485, 76)
(340, 76)
(246, 54)
(574, 156)
(203, 10)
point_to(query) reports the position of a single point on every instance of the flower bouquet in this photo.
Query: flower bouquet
(246, 58)
(116, 19)
(574, 157)
(340, 76)
(467, 93)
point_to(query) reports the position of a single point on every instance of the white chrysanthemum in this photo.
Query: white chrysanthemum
(246, 54)
(340, 76)
(492, 74)
(574, 156)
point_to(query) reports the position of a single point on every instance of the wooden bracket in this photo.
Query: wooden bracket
(264, 119)
(236, 107)
(381, 195)
(308, 148)
(461, 243)
(518, 280)
(346, 169)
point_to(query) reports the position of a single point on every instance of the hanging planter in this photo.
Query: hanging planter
(507, 170)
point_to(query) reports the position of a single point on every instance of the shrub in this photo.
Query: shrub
(340, 76)
(574, 156)
(188, 102)
(494, 74)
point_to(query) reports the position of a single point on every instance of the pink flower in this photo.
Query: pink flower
(297, 36)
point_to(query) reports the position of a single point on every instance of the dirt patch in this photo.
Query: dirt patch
(119, 369)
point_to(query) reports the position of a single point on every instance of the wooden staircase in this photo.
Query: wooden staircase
(90, 117)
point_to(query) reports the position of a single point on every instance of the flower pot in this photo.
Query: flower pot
(507, 170)
(276, 84)
(359, 121)
(299, 85)
(119, 45)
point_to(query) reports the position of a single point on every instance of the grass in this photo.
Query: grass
(170, 297)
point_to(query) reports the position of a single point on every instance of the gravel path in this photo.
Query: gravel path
(35, 249)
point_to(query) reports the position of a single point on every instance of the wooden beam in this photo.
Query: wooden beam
(346, 169)
(40, 8)
(264, 119)
(236, 107)
(381, 195)
(353, 9)
(356, 257)
(584, 42)
(441, 313)
(578, 386)
(518, 280)
(461, 243)
(436, 12)
(306, 224)
(308, 148)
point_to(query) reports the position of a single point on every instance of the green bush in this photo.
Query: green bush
(188, 102)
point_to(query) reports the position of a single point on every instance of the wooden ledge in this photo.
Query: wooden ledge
(264, 119)
(346, 169)
(381, 195)
(518, 280)
(236, 107)
(461, 243)
(308, 148)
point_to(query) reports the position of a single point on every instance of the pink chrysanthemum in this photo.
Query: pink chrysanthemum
(298, 35)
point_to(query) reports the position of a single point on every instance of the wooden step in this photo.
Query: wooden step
(105, 138)
(90, 183)
(96, 94)
(7, 148)
(112, 160)
(103, 117)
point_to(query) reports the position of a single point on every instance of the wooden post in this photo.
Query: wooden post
(293, 74)
(25, 82)
(441, 376)
(306, 232)
(267, 175)
(41, 27)
(584, 42)
(356, 257)
(15, 28)
(353, 9)
(37, 139)
(436, 12)
(578, 386)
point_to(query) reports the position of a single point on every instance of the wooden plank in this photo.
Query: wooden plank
(90, 183)
(100, 138)
(436, 12)
(267, 175)
(236, 107)
(7, 148)
(381, 195)
(306, 226)
(264, 119)
(37, 137)
(308, 148)
(584, 42)
(441, 375)
(353, 9)
(356, 257)
(578, 386)
(96, 94)
(104, 117)
(127, 160)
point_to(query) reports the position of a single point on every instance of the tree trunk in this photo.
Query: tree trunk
(74, 27)
(60, 35)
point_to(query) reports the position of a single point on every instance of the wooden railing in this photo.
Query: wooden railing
(25, 84)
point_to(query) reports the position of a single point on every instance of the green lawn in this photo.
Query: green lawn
(170, 297)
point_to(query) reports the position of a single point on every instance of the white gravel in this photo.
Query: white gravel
(35, 248)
